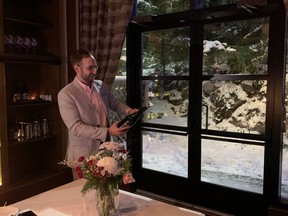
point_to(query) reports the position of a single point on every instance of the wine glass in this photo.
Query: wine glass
(27, 44)
(10, 42)
(19, 43)
(34, 44)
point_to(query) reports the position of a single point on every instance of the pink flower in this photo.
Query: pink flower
(128, 178)
(80, 159)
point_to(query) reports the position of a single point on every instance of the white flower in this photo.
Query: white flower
(110, 165)
(93, 157)
(113, 146)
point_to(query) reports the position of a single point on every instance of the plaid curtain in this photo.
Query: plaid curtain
(103, 25)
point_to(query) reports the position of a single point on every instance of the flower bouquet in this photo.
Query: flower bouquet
(104, 171)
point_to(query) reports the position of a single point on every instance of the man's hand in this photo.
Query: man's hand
(113, 130)
(132, 111)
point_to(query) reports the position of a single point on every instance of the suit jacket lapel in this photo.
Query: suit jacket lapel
(82, 92)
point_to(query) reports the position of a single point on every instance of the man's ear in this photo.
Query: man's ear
(76, 68)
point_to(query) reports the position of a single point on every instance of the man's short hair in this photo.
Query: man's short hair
(77, 56)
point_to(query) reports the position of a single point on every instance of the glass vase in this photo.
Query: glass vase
(107, 200)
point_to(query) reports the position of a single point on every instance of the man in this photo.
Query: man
(83, 106)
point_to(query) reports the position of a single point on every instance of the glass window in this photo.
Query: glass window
(165, 152)
(284, 180)
(165, 84)
(167, 101)
(236, 47)
(234, 106)
(234, 99)
(165, 89)
(166, 52)
(157, 7)
(213, 3)
(233, 165)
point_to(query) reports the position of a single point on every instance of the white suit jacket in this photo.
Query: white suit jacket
(82, 120)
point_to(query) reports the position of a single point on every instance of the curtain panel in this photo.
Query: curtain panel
(103, 26)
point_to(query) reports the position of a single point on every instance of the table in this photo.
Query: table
(67, 200)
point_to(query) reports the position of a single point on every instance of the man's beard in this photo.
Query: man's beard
(88, 78)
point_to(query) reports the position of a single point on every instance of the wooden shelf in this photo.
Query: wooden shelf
(30, 103)
(39, 58)
(32, 140)
(17, 21)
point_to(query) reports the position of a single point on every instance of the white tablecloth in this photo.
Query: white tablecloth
(68, 200)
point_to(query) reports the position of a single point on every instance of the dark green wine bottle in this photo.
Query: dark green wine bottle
(132, 118)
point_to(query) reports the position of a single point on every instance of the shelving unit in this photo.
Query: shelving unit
(30, 54)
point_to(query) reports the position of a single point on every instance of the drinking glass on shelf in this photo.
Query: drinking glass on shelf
(10, 42)
(27, 44)
(34, 45)
(19, 44)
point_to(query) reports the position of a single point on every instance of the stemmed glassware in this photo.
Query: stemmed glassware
(10, 43)
(27, 44)
(34, 44)
(20, 45)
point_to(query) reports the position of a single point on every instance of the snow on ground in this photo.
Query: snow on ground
(223, 163)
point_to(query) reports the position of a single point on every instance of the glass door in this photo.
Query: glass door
(206, 138)
(234, 103)
(161, 147)
(165, 89)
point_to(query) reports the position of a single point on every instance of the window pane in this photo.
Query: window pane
(168, 101)
(232, 165)
(166, 52)
(165, 153)
(234, 106)
(284, 180)
(213, 3)
(156, 7)
(236, 47)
